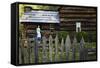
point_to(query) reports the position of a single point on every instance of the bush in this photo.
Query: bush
(83, 34)
(88, 36)
(92, 36)
(62, 34)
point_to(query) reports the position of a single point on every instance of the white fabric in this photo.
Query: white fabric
(38, 32)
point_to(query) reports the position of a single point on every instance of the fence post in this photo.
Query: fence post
(67, 47)
(21, 53)
(25, 51)
(74, 48)
(56, 48)
(36, 50)
(44, 49)
(81, 50)
(50, 48)
(62, 49)
(31, 52)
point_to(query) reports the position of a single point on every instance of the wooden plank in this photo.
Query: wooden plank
(36, 50)
(85, 20)
(56, 48)
(44, 59)
(67, 47)
(50, 48)
(78, 15)
(74, 44)
(81, 50)
(77, 8)
(77, 11)
(62, 50)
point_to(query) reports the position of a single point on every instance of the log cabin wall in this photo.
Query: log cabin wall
(70, 15)
(45, 28)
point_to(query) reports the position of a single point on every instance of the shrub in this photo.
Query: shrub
(83, 34)
(62, 34)
(92, 36)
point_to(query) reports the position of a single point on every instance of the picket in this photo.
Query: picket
(67, 47)
(62, 49)
(44, 49)
(50, 47)
(52, 52)
(56, 48)
(37, 44)
(81, 50)
(74, 44)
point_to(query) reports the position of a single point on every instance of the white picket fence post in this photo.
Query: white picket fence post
(74, 45)
(56, 48)
(50, 48)
(81, 50)
(44, 49)
(62, 49)
(67, 47)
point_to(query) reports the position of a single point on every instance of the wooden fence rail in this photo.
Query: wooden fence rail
(52, 50)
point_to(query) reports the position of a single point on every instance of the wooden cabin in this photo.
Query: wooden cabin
(69, 15)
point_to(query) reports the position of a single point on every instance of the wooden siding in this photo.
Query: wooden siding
(70, 15)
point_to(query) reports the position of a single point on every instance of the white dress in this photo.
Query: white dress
(38, 33)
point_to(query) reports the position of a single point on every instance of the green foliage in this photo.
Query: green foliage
(62, 34)
(92, 36)
(88, 36)
(83, 34)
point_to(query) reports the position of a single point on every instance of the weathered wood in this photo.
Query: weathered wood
(31, 53)
(78, 15)
(44, 49)
(24, 51)
(84, 20)
(21, 56)
(26, 55)
(31, 50)
(74, 44)
(67, 47)
(56, 48)
(36, 50)
(74, 14)
(62, 50)
(50, 48)
(78, 8)
(81, 50)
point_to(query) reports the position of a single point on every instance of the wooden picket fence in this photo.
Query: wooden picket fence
(51, 50)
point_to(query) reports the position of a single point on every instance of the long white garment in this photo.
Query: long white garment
(38, 32)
